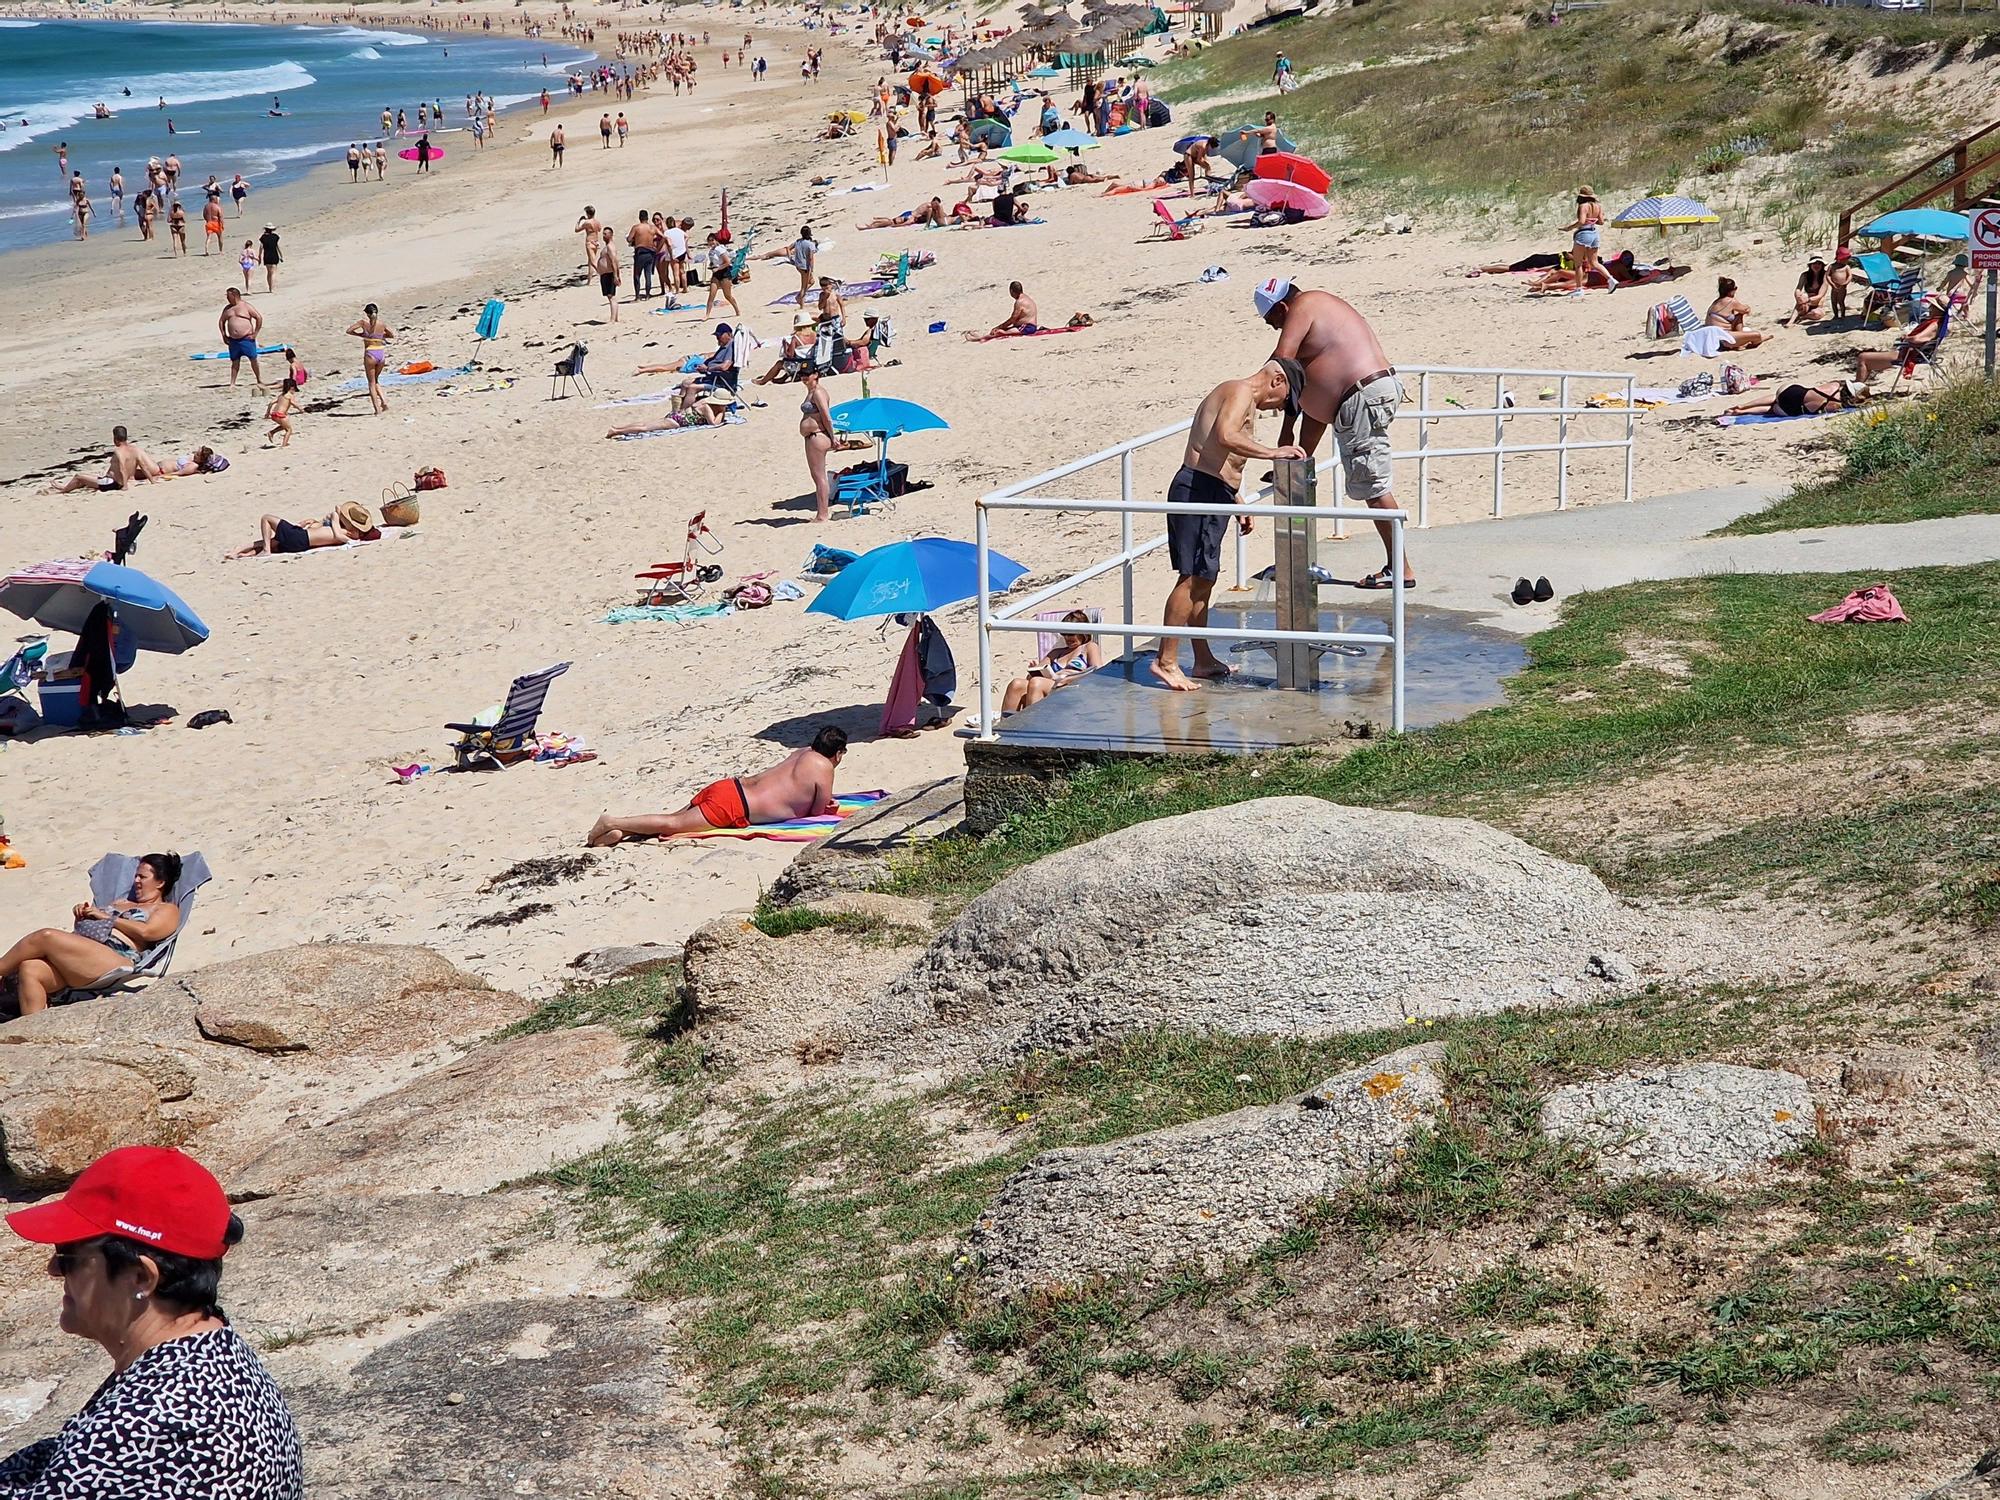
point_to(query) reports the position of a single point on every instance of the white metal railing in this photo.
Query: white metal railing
(1017, 497)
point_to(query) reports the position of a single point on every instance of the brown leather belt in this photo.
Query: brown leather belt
(1341, 399)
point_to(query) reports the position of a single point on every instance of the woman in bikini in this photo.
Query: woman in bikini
(1805, 401)
(346, 522)
(1071, 657)
(816, 427)
(1586, 238)
(375, 336)
(100, 942)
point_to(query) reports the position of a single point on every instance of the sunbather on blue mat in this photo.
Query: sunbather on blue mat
(1802, 401)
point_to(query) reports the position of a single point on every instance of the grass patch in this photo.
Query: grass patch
(645, 1006)
(1444, 99)
(1580, 716)
(1914, 462)
(790, 921)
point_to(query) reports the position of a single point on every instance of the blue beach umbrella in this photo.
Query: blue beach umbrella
(1935, 222)
(60, 595)
(914, 577)
(1046, 70)
(1659, 213)
(1241, 143)
(1070, 139)
(885, 416)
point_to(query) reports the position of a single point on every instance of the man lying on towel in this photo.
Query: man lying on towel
(799, 786)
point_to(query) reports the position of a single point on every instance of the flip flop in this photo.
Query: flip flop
(1381, 580)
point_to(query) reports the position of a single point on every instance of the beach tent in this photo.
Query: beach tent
(1241, 143)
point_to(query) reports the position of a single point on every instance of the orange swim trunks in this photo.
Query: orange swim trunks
(723, 805)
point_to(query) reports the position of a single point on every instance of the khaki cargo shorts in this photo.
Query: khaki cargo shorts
(1361, 435)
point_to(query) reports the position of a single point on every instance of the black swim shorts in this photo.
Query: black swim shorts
(1194, 543)
(290, 538)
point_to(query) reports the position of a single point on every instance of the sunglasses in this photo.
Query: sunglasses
(71, 1258)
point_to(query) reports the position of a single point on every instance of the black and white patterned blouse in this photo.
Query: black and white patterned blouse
(196, 1418)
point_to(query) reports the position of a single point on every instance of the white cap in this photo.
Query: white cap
(1270, 293)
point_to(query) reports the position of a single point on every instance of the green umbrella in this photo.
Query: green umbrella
(1033, 154)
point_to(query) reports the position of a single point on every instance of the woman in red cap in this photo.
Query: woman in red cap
(189, 1411)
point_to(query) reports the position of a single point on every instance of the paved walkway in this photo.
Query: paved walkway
(1474, 565)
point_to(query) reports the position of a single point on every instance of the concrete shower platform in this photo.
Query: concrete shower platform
(1456, 666)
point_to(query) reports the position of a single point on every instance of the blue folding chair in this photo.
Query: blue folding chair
(1888, 288)
(507, 739)
(111, 882)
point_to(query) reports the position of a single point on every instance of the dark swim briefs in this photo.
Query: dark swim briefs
(723, 805)
(242, 348)
(1194, 543)
(287, 537)
(607, 282)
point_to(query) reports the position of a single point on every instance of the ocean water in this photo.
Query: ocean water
(219, 82)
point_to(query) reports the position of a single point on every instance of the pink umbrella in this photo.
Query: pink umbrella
(1267, 194)
(1289, 166)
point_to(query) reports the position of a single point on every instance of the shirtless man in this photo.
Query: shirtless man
(592, 230)
(1350, 387)
(1224, 434)
(799, 786)
(129, 464)
(1195, 159)
(1025, 318)
(1267, 134)
(924, 213)
(645, 241)
(1729, 312)
(240, 325)
(211, 226)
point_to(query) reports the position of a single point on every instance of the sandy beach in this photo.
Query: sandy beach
(337, 667)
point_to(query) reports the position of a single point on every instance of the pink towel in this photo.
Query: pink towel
(906, 690)
(1864, 607)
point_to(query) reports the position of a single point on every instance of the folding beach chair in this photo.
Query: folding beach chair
(1177, 229)
(683, 581)
(900, 282)
(111, 881)
(487, 329)
(1047, 640)
(1888, 288)
(1924, 356)
(504, 741)
(569, 372)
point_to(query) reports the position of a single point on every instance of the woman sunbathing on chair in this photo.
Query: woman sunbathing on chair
(1071, 657)
(99, 943)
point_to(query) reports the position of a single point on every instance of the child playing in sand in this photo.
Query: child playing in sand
(280, 414)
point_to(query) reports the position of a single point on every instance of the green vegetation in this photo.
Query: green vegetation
(1914, 462)
(643, 1006)
(1752, 677)
(788, 921)
(1433, 99)
(814, 1245)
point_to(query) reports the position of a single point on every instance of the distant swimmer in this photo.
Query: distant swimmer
(127, 93)
(170, 125)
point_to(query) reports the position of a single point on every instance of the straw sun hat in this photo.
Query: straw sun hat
(354, 513)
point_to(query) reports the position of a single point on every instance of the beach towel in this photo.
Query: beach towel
(1873, 605)
(729, 419)
(797, 830)
(262, 349)
(1706, 342)
(1758, 419)
(849, 291)
(1015, 333)
(427, 377)
(906, 689)
(678, 614)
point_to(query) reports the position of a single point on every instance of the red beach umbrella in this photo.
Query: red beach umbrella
(1289, 166)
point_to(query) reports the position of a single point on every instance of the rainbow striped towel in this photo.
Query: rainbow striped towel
(797, 830)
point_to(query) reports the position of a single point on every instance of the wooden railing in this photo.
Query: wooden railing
(1967, 168)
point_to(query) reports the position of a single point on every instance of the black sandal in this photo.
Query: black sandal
(1382, 580)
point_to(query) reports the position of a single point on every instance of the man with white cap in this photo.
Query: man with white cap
(1350, 387)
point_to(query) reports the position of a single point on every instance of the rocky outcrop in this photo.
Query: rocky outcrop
(357, 999)
(1706, 1121)
(503, 1111)
(1980, 1482)
(60, 1113)
(1207, 1191)
(1288, 916)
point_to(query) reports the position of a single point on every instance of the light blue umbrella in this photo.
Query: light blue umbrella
(884, 416)
(60, 595)
(914, 577)
(1659, 213)
(1935, 222)
(1045, 71)
(1241, 143)
(1069, 138)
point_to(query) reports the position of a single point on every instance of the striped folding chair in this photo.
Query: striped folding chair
(508, 738)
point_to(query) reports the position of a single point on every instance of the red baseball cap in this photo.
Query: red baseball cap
(149, 1194)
